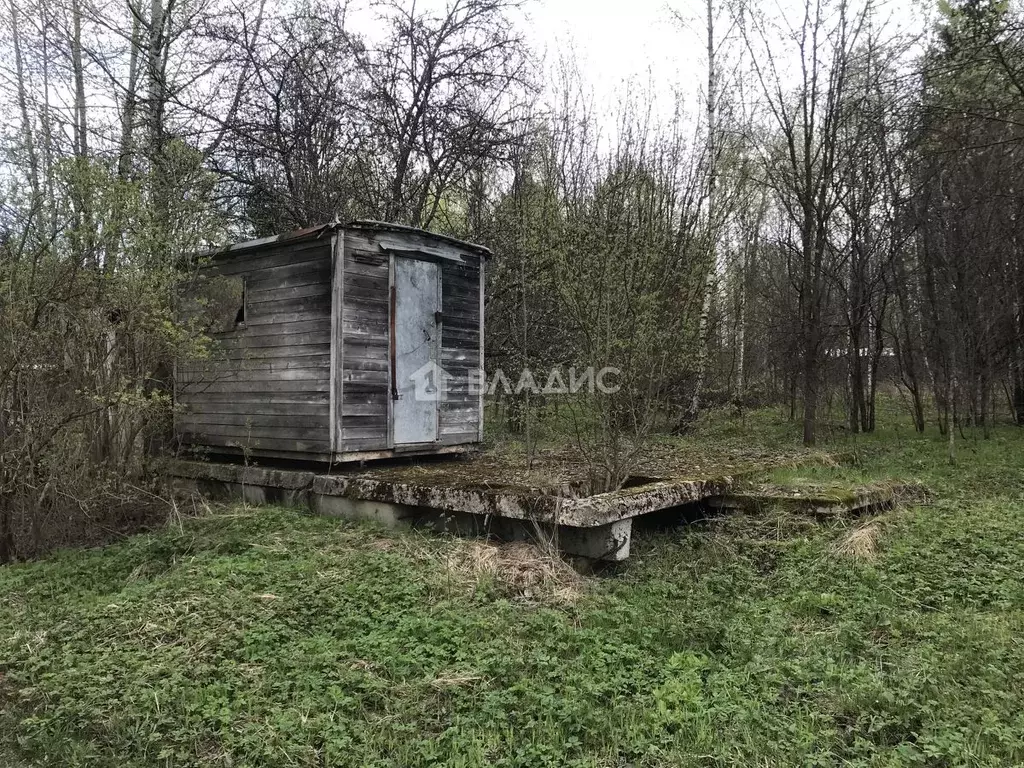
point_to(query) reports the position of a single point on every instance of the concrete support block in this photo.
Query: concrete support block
(390, 515)
(602, 542)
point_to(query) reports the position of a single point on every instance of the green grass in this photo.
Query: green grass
(259, 637)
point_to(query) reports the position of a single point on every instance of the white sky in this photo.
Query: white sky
(618, 43)
(614, 40)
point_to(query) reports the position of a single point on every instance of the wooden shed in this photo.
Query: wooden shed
(337, 343)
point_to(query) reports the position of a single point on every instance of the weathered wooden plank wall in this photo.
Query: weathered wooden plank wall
(460, 350)
(267, 387)
(366, 375)
(365, 387)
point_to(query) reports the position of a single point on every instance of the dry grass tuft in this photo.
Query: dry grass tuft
(520, 569)
(861, 543)
(454, 680)
(911, 493)
(825, 459)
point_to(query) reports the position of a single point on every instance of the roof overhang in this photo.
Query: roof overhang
(313, 233)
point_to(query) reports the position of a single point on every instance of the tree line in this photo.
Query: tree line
(840, 215)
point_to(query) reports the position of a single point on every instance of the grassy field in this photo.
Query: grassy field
(259, 637)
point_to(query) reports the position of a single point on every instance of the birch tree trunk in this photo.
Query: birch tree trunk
(741, 332)
(710, 282)
(26, 121)
(127, 143)
(78, 67)
(47, 129)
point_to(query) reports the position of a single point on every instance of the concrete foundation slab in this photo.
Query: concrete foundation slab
(856, 501)
(598, 526)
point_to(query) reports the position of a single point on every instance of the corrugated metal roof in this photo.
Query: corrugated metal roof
(387, 227)
(311, 233)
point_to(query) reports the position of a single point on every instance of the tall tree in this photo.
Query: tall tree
(808, 117)
(442, 100)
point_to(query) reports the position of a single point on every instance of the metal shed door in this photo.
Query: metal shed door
(418, 381)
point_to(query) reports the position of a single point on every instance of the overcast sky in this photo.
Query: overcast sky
(659, 44)
(621, 41)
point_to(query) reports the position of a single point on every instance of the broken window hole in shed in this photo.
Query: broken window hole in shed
(240, 315)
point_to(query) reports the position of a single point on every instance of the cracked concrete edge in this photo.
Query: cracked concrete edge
(808, 504)
(587, 512)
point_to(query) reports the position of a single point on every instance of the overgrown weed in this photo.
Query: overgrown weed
(263, 637)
